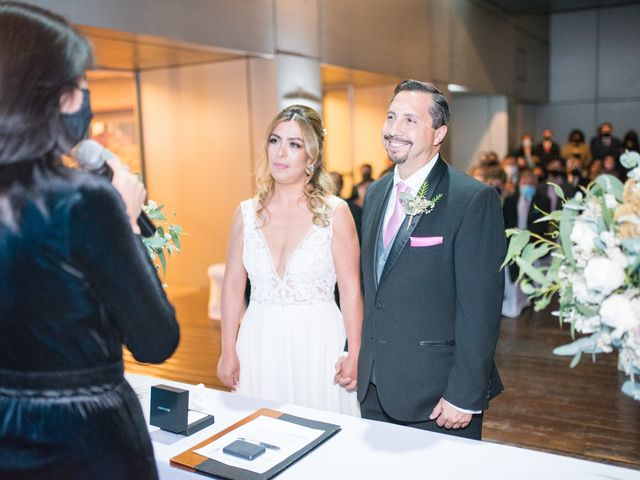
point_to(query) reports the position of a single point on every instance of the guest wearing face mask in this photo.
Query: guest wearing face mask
(556, 174)
(526, 153)
(578, 147)
(546, 150)
(76, 282)
(605, 143)
(575, 178)
(519, 212)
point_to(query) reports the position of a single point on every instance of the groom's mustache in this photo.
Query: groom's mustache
(393, 138)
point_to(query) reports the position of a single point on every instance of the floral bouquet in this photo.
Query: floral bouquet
(594, 249)
(165, 241)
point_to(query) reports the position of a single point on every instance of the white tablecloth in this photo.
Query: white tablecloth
(367, 449)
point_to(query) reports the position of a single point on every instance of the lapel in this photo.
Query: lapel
(404, 233)
(378, 219)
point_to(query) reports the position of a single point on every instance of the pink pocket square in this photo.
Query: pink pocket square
(425, 241)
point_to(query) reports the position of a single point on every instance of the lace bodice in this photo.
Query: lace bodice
(310, 275)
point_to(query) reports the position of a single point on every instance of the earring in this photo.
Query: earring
(310, 169)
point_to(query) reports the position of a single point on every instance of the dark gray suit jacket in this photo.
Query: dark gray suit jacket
(431, 324)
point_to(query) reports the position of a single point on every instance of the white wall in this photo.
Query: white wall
(594, 71)
(200, 153)
(479, 123)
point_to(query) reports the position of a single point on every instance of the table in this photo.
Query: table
(366, 449)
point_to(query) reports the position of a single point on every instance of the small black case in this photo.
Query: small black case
(242, 449)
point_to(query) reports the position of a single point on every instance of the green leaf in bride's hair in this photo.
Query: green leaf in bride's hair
(518, 240)
(175, 238)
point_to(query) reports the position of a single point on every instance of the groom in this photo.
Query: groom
(432, 244)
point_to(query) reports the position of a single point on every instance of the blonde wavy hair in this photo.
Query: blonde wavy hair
(319, 183)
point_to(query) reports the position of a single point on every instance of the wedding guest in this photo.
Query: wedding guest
(605, 143)
(595, 169)
(76, 281)
(547, 149)
(556, 174)
(519, 211)
(293, 240)
(610, 166)
(575, 177)
(578, 147)
(630, 141)
(524, 154)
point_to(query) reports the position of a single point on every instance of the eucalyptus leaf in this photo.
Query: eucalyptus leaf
(630, 159)
(576, 359)
(517, 243)
(551, 217)
(609, 184)
(163, 262)
(176, 239)
(542, 303)
(527, 287)
(534, 273)
(566, 224)
(558, 189)
(586, 311)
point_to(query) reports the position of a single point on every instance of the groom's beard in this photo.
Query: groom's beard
(396, 157)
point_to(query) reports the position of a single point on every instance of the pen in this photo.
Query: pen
(258, 442)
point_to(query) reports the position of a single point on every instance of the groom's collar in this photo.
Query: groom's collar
(416, 180)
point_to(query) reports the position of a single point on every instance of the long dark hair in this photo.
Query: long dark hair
(41, 58)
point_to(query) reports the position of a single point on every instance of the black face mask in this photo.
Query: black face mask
(77, 123)
(576, 172)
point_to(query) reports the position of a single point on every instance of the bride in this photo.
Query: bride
(293, 241)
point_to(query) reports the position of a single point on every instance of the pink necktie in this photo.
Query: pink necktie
(396, 217)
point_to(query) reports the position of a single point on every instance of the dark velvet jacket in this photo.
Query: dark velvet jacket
(75, 284)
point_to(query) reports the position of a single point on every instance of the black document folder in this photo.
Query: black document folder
(192, 461)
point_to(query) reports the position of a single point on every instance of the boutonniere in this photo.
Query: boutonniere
(418, 205)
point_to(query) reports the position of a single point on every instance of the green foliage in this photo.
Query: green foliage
(165, 241)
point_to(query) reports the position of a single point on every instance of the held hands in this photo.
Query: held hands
(130, 189)
(347, 372)
(448, 417)
(229, 370)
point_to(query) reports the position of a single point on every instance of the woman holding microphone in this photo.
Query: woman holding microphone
(75, 280)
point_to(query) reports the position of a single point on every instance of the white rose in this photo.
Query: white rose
(583, 236)
(617, 312)
(610, 200)
(615, 255)
(603, 275)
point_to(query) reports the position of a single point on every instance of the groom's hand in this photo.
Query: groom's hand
(446, 416)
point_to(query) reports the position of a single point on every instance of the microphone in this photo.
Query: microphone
(92, 157)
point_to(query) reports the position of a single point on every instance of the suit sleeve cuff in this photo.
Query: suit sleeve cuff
(463, 410)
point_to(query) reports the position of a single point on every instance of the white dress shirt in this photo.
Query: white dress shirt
(414, 182)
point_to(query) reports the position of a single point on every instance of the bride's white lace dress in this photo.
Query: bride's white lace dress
(292, 332)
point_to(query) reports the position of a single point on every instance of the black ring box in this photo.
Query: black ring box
(170, 411)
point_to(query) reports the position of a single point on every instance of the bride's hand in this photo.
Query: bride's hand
(229, 370)
(347, 372)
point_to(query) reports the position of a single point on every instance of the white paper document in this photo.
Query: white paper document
(283, 439)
